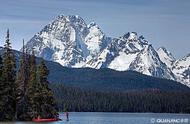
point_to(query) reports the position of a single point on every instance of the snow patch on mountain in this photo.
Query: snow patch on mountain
(149, 63)
(95, 39)
(181, 68)
(122, 61)
(166, 56)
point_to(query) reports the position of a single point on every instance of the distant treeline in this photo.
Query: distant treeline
(83, 100)
(108, 79)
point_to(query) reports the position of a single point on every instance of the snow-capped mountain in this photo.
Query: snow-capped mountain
(166, 56)
(131, 52)
(69, 41)
(95, 40)
(181, 68)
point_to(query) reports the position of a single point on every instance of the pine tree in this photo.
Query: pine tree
(22, 107)
(1, 67)
(48, 106)
(33, 91)
(1, 89)
(8, 102)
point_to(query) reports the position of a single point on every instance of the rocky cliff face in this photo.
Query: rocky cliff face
(69, 41)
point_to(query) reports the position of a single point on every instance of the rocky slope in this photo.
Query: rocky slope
(181, 68)
(131, 52)
(69, 41)
(166, 56)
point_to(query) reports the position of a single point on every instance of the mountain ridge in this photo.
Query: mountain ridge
(105, 79)
(69, 41)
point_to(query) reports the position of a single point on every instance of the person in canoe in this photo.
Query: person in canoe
(38, 117)
(67, 115)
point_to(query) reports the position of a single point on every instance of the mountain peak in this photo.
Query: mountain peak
(92, 24)
(131, 36)
(163, 49)
(142, 37)
(74, 20)
(74, 17)
(95, 39)
(166, 56)
(188, 55)
(70, 17)
(68, 41)
(181, 69)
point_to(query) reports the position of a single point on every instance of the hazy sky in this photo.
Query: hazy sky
(162, 22)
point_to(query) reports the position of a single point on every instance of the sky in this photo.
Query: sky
(162, 22)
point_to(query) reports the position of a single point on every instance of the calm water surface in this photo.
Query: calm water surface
(120, 118)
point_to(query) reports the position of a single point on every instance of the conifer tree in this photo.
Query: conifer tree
(48, 105)
(1, 66)
(33, 92)
(22, 107)
(8, 103)
(1, 89)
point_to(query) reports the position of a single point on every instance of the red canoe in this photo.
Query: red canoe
(44, 119)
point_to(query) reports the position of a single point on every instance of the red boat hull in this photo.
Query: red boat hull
(45, 120)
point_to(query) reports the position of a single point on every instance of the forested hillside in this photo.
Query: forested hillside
(108, 79)
(104, 79)
(77, 99)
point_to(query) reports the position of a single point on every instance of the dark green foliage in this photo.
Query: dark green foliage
(83, 100)
(8, 101)
(1, 90)
(33, 87)
(37, 99)
(47, 108)
(104, 79)
(22, 106)
(26, 95)
(1, 67)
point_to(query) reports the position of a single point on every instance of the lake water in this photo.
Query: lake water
(120, 118)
